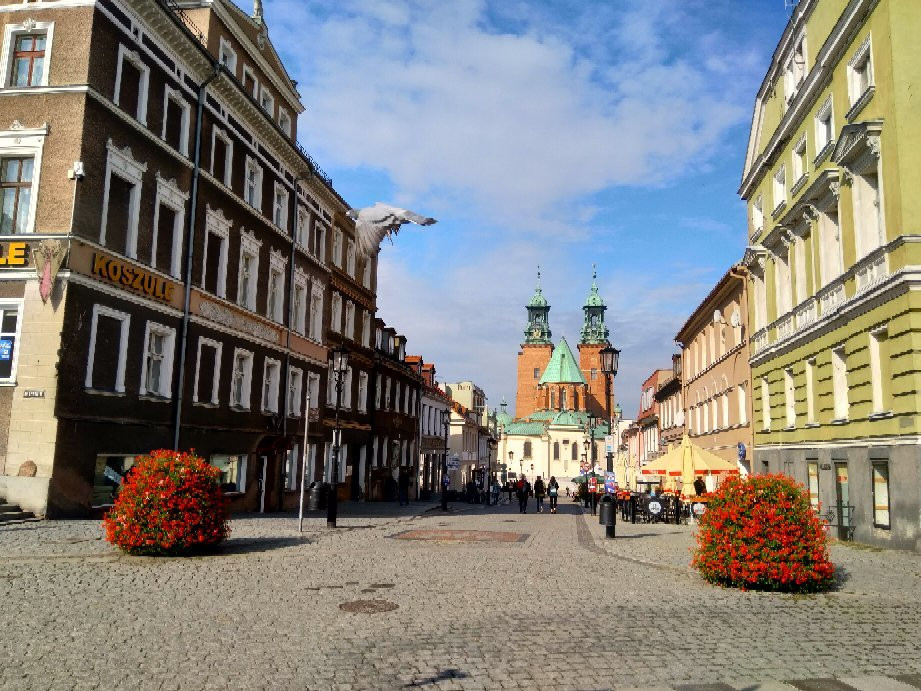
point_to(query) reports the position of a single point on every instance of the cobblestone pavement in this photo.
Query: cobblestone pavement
(561, 608)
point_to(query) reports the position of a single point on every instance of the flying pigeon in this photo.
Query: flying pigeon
(374, 223)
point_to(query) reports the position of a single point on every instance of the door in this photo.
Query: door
(842, 499)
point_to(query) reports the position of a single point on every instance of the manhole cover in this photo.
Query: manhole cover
(368, 606)
(461, 536)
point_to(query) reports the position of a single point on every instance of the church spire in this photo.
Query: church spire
(593, 329)
(538, 328)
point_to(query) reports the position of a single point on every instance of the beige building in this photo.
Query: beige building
(716, 378)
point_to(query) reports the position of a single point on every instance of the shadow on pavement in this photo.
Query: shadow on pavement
(250, 545)
(443, 675)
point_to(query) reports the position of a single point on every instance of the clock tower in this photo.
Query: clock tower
(535, 352)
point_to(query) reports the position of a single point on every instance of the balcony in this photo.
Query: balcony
(831, 297)
(759, 341)
(785, 326)
(871, 270)
(806, 313)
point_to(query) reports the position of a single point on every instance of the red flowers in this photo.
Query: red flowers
(170, 503)
(761, 533)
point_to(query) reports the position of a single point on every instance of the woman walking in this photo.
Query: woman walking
(539, 492)
(553, 491)
(524, 491)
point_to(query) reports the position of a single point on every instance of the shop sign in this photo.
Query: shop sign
(132, 278)
(33, 393)
(6, 349)
(13, 253)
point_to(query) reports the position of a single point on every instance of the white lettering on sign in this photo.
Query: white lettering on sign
(227, 317)
(33, 393)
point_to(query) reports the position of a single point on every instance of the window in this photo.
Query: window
(267, 101)
(313, 391)
(275, 300)
(337, 247)
(176, 114)
(537, 373)
(132, 77)
(26, 54)
(169, 217)
(812, 470)
(228, 56)
(780, 188)
(881, 494)
(593, 374)
(233, 471)
(349, 319)
(796, 69)
(214, 260)
(10, 326)
(108, 344)
(377, 393)
(830, 260)
(249, 270)
(121, 201)
(350, 257)
(284, 121)
(758, 215)
(16, 188)
(366, 276)
(316, 311)
(799, 160)
(765, 404)
(280, 207)
(526, 453)
(810, 392)
(824, 130)
(799, 266)
(252, 184)
(347, 388)
(270, 380)
(879, 368)
(362, 392)
(782, 279)
(242, 379)
(295, 385)
(157, 367)
(860, 75)
(743, 406)
(790, 397)
(868, 209)
(207, 372)
(302, 228)
(366, 329)
(299, 304)
(292, 456)
(221, 155)
(839, 382)
(250, 83)
(336, 313)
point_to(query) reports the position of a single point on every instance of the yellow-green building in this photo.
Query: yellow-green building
(832, 179)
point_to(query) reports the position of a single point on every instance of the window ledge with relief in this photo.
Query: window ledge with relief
(788, 428)
(103, 392)
(239, 409)
(811, 425)
(154, 398)
(779, 209)
(883, 415)
(799, 184)
(824, 153)
(860, 103)
(840, 421)
(206, 404)
(7, 383)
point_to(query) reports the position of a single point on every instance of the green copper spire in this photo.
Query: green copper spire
(593, 329)
(538, 329)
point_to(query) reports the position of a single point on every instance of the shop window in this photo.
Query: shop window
(881, 494)
(207, 372)
(233, 471)
(108, 477)
(10, 327)
(108, 344)
(157, 366)
(132, 77)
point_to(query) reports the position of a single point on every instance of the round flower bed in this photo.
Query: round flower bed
(761, 533)
(170, 503)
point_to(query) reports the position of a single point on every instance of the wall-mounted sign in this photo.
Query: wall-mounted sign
(6, 349)
(132, 277)
(13, 254)
(33, 393)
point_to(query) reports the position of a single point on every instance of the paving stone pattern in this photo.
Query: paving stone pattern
(564, 608)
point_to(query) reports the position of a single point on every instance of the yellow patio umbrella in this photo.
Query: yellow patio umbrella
(686, 461)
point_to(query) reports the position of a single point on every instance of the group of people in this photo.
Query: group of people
(524, 490)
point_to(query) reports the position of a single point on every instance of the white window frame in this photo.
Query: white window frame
(302, 227)
(347, 389)
(862, 56)
(13, 31)
(299, 312)
(284, 121)
(10, 305)
(218, 133)
(270, 397)
(166, 373)
(810, 391)
(839, 382)
(335, 313)
(278, 263)
(349, 320)
(825, 113)
(169, 194)
(121, 163)
(779, 187)
(125, 319)
(218, 347)
(758, 214)
(249, 246)
(877, 336)
(247, 70)
(315, 313)
(22, 142)
(131, 56)
(171, 94)
(350, 257)
(216, 223)
(790, 397)
(280, 211)
(256, 201)
(366, 274)
(366, 329)
(295, 391)
(799, 166)
(362, 392)
(226, 51)
(337, 247)
(247, 385)
(765, 404)
(313, 390)
(266, 95)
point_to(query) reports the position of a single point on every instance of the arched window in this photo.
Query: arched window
(556, 451)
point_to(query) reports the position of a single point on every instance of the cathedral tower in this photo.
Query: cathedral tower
(593, 338)
(535, 352)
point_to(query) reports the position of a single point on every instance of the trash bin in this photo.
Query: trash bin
(607, 514)
(317, 496)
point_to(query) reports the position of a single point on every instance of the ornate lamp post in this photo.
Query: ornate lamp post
(610, 359)
(340, 367)
(446, 423)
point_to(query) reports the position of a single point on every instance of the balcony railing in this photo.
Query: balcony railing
(831, 296)
(760, 340)
(785, 326)
(872, 272)
(806, 313)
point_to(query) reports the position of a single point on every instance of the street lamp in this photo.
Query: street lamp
(618, 412)
(446, 423)
(340, 368)
(610, 359)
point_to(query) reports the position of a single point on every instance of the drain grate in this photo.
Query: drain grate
(368, 606)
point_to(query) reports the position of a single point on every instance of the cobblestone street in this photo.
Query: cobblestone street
(551, 604)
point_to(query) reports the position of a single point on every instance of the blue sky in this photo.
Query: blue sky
(559, 133)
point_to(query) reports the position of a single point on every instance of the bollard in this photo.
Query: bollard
(607, 514)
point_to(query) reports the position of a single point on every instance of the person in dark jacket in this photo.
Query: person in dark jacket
(553, 491)
(540, 491)
(700, 486)
(524, 491)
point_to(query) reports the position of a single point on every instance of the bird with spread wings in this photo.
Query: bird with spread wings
(374, 223)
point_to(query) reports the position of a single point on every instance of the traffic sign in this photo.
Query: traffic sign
(592, 484)
(453, 464)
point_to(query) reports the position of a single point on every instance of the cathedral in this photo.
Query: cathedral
(562, 407)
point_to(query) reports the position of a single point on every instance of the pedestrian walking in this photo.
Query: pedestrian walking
(524, 491)
(540, 491)
(495, 491)
(510, 488)
(553, 491)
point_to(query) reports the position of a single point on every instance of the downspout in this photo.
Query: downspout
(189, 248)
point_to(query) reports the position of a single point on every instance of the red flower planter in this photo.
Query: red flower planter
(761, 533)
(170, 503)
